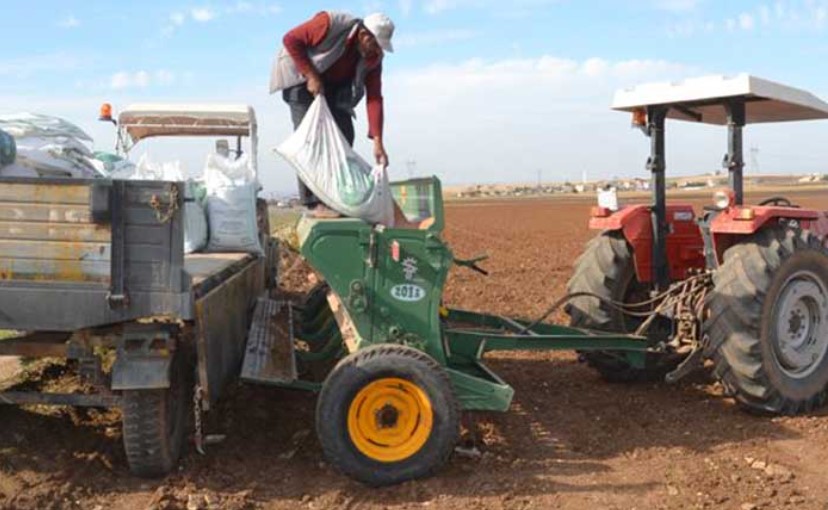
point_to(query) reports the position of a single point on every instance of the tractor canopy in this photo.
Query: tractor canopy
(142, 121)
(701, 100)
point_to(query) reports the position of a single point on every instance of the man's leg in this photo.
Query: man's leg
(345, 123)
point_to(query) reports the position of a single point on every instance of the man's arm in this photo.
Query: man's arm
(374, 104)
(300, 39)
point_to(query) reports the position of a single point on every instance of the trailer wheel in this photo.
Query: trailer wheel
(606, 268)
(387, 414)
(155, 422)
(768, 322)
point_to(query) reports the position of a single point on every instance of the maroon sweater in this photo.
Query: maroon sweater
(312, 33)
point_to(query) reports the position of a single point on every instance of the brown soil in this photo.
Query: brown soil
(569, 441)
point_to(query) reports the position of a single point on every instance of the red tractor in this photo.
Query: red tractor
(745, 286)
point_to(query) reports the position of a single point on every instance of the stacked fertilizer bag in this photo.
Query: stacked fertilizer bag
(336, 174)
(231, 205)
(195, 221)
(48, 147)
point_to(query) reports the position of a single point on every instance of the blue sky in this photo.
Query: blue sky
(477, 91)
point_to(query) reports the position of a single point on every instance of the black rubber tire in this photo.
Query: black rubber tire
(361, 368)
(606, 268)
(155, 422)
(740, 323)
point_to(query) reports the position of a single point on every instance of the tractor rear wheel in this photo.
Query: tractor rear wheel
(607, 269)
(768, 322)
(387, 414)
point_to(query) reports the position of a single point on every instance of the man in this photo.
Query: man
(340, 56)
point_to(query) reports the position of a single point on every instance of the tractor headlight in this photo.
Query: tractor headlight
(723, 199)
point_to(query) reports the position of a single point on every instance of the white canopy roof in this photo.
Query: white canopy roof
(146, 120)
(142, 121)
(702, 99)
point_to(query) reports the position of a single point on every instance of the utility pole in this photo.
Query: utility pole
(411, 165)
(754, 160)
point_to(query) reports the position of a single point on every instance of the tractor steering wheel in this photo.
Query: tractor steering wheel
(780, 201)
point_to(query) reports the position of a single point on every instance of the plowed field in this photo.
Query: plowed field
(569, 441)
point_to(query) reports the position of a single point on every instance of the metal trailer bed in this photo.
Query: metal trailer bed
(94, 271)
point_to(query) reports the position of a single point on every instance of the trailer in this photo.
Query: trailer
(94, 271)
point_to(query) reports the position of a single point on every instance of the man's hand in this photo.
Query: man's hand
(379, 153)
(315, 86)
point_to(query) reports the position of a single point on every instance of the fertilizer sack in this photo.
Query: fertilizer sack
(336, 174)
(231, 205)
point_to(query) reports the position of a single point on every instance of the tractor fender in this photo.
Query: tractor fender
(734, 223)
(143, 360)
(685, 246)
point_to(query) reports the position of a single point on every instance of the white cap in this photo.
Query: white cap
(383, 29)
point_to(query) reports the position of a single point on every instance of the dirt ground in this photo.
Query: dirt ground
(570, 440)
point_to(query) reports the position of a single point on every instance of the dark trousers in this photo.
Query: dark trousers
(299, 100)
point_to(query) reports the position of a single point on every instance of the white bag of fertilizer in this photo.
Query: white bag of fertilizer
(195, 222)
(336, 174)
(231, 205)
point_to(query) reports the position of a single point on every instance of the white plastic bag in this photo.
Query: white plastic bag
(231, 205)
(222, 171)
(195, 221)
(148, 170)
(336, 174)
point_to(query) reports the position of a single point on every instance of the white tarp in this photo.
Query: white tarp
(50, 146)
(336, 174)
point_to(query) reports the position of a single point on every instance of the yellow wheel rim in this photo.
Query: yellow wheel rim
(390, 419)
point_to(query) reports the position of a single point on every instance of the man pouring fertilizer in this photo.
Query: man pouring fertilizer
(325, 68)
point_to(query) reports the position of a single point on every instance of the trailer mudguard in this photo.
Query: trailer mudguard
(144, 358)
(685, 246)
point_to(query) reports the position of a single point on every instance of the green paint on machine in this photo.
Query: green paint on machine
(390, 282)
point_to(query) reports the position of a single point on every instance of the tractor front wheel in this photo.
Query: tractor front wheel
(387, 414)
(606, 269)
(768, 322)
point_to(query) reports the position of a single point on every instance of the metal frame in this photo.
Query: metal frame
(734, 161)
(657, 164)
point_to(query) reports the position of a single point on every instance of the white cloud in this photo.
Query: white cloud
(782, 16)
(405, 6)
(432, 38)
(513, 9)
(746, 21)
(164, 77)
(123, 80)
(177, 18)
(202, 14)
(765, 15)
(240, 6)
(69, 22)
(552, 109)
(677, 5)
